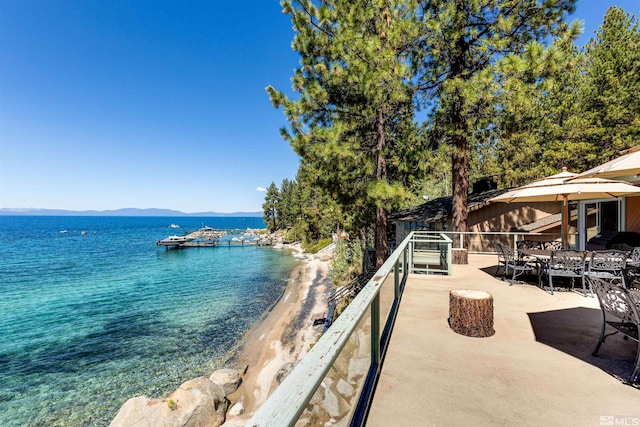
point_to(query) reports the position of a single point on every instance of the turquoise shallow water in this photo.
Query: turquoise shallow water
(90, 320)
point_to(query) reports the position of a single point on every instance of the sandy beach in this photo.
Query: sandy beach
(283, 336)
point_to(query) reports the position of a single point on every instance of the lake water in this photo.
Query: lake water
(92, 312)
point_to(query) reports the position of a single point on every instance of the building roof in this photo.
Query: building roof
(542, 224)
(442, 207)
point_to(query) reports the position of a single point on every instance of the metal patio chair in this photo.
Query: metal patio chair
(634, 257)
(502, 260)
(631, 277)
(527, 244)
(620, 310)
(607, 264)
(565, 263)
(554, 245)
(511, 262)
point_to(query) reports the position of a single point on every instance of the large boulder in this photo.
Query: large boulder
(228, 379)
(196, 403)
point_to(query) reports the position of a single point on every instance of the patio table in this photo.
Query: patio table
(542, 257)
(541, 254)
(544, 254)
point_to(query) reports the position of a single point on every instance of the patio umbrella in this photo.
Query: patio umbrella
(567, 186)
(624, 166)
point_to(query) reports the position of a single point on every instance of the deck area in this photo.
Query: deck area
(536, 370)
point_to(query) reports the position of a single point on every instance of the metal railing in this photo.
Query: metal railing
(336, 379)
(430, 253)
(484, 242)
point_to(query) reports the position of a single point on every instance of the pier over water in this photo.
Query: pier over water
(208, 237)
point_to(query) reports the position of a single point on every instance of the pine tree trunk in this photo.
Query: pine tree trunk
(460, 181)
(381, 174)
(381, 236)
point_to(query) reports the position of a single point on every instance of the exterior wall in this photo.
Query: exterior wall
(494, 217)
(506, 217)
(509, 216)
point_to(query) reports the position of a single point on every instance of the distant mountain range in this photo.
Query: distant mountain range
(120, 212)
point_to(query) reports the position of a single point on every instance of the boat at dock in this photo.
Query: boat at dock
(174, 241)
(210, 237)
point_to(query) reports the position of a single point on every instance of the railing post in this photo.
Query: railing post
(405, 262)
(412, 246)
(396, 280)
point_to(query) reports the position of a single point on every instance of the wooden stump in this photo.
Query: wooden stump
(471, 313)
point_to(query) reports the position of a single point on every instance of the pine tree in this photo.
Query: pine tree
(463, 39)
(537, 121)
(270, 207)
(612, 84)
(352, 123)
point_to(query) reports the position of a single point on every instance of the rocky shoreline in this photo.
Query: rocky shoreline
(267, 353)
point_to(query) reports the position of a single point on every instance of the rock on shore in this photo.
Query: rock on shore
(200, 402)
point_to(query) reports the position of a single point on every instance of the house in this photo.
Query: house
(587, 218)
(483, 216)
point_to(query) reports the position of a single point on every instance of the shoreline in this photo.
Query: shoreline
(283, 336)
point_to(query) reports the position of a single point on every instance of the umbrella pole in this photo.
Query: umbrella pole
(565, 221)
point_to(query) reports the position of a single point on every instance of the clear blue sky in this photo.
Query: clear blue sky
(130, 103)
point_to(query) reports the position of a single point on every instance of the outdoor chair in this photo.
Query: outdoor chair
(634, 257)
(552, 246)
(620, 308)
(527, 244)
(631, 277)
(607, 264)
(502, 260)
(511, 262)
(565, 263)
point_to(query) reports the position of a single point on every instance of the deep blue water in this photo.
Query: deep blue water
(90, 320)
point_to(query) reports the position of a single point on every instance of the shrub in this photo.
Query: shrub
(346, 263)
(172, 404)
(313, 247)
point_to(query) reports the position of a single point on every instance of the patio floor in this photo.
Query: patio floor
(536, 370)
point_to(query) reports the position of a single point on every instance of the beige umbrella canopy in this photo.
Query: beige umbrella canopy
(567, 186)
(624, 166)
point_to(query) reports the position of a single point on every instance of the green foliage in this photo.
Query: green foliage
(346, 263)
(172, 404)
(610, 100)
(562, 107)
(315, 246)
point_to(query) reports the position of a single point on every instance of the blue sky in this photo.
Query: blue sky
(131, 103)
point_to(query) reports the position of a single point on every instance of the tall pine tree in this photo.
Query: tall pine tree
(463, 39)
(270, 207)
(352, 123)
(612, 83)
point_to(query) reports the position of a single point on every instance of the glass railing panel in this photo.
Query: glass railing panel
(386, 298)
(426, 253)
(431, 253)
(335, 399)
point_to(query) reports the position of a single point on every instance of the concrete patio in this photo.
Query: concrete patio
(536, 370)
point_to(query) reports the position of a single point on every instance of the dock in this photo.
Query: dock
(207, 237)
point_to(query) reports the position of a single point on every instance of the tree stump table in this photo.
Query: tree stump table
(471, 313)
